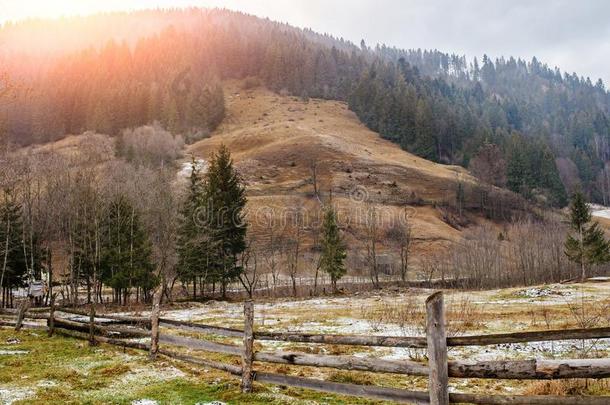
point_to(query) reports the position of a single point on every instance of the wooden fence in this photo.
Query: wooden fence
(121, 330)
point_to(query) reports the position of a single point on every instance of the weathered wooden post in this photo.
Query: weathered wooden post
(248, 355)
(51, 321)
(437, 349)
(92, 325)
(23, 308)
(154, 323)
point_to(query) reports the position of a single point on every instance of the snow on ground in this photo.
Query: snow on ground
(346, 315)
(186, 168)
(144, 402)
(599, 211)
(12, 352)
(8, 395)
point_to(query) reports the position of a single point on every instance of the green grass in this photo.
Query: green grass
(61, 370)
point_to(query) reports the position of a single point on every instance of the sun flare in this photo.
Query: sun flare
(57, 8)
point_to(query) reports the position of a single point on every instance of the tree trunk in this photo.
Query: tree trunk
(25, 305)
(154, 322)
(92, 326)
(248, 354)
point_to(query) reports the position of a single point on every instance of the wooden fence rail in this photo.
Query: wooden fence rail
(119, 329)
(362, 340)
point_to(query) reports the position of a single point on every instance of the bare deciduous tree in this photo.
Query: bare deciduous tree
(402, 237)
(249, 261)
(372, 225)
(489, 165)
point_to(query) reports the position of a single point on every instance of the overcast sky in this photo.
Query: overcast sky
(571, 34)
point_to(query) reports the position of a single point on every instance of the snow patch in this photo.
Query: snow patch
(144, 402)
(186, 168)
(8, 395)
(547, 291)
(599, 211)
(12, 352)
(211, 403)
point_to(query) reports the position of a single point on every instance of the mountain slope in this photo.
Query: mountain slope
(274, 140)
(552, 129)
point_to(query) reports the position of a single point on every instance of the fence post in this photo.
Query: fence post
(154, 323)
(248, 355)
(51, 321)
(23, 308)
(437, 349)
(92, 325)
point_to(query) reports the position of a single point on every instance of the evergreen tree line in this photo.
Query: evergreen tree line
(20, 261)
(101, 235)
(212, 233)
(85, 221)
(436, 105)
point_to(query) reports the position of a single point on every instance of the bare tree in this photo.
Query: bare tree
(313, 167)
(151, 145)
(372, 224)
(401, 236)
(489, 165)
(249, 261)
(273, 248)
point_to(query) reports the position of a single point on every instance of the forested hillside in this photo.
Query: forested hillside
(551, 130)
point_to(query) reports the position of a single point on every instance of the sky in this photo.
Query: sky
(573, 35)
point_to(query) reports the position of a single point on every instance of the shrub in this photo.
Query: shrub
(149, 145)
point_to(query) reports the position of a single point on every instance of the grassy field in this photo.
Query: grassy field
(40, 370)
(35, 369)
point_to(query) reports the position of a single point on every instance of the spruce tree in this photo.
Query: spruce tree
(193, 237)
(127, 251)
(588, 245)
(13, 266)
(225, 199)
(332, 260)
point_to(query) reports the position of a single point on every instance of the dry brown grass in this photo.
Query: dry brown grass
(569, 387)
(274, 138)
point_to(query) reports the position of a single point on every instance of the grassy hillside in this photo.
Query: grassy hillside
(275, 139)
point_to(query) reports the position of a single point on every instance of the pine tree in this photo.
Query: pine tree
(13, 266)
(127, 251)
(193, 245)
(225, 198)
(588, 246)
(332, 260)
